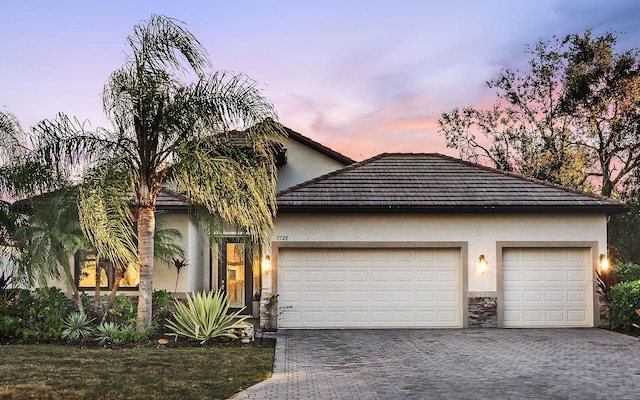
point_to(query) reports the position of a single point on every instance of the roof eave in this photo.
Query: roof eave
(479, 209)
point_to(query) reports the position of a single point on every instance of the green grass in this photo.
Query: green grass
(66, 372)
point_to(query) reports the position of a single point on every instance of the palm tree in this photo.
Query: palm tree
(206, 134)
(45, 243)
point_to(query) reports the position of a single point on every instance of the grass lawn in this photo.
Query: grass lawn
(67, 372)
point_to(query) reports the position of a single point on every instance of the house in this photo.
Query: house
(404, 240)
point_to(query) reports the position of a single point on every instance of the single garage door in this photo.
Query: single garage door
(369, 288)
(547, 287)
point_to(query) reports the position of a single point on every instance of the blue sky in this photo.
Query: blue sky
(362, 77)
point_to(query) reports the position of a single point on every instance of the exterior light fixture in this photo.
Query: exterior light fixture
(483, 265)
(604, 263)
(266, 265)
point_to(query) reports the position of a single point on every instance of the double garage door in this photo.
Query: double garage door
(372, 287)
(402, 287)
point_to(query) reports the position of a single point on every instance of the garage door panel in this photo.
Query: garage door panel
(291, 277)
(291, 296)
(532, 296)
(555, 295)
(447, 256)
(554, 316)
(532, 255)
(511, 296)
(403, 276)
(425, 276)
(532, 276)
(577, 276)
(576, 315)
(384, 288)
(381, 276)
(547, 287)
(355, 276)
(576, 296)
(509, 275)
(424, 296)
(313, 276)
(402, 296)
(554, 276)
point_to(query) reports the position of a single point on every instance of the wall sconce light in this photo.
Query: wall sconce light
(483, 265)
(266, 265)
(604, 263)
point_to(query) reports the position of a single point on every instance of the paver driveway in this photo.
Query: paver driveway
(453, 364)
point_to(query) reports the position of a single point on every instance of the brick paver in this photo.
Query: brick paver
(453, 364)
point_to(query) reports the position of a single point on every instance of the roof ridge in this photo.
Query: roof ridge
(433, 182)
(173, 193)
(527, 178)
(340, 171)
(329, 152)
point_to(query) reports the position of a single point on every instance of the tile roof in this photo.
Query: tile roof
(341, 158)
(170, 199)
(434, 183)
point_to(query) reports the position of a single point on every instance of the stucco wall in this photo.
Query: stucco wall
(303, 164)
(192, 277)
(481, 232)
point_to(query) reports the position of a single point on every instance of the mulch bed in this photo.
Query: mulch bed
(171, 342)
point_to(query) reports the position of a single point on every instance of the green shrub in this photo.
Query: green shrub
(77, 327)
(10, 327)
(625, 299)
(161, 306)
(16, 302)
(129, 335)
(205, 317)
(44, 316)
(627, 272)
(123, 311)
(161, 300)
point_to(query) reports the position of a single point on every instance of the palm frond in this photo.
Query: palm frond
(165, 247)
(105, 212)
(162, 43)
(51, 234)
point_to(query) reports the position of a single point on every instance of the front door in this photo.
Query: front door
(235, 274)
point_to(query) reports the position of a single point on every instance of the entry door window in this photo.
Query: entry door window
(236, 267)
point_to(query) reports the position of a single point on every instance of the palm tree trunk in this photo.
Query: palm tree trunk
(76, 298)
(68, 278)
(146, 227)
(96, 294)
(119, 271)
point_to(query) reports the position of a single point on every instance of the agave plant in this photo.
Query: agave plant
(77, 326)
(105, 332)
(204, 317)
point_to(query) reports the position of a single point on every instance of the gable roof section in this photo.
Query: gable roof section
(169, 199)
(434, 183)
(298, 137)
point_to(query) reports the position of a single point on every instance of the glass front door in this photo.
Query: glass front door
(234, 268)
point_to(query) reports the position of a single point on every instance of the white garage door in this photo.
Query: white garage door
(363, 288)
(547, 287)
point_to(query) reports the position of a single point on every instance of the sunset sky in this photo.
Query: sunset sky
(362, 77)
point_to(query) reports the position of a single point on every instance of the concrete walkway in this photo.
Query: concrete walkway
(452, 364)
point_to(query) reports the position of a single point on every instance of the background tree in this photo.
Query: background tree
(570, 118)
(206, 134)
(602, 94)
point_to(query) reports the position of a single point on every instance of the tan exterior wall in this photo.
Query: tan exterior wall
(303, 164)
(192, 278)
(481, 233)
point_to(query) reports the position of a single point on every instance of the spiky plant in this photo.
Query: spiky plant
(77, 326)
(205, 317)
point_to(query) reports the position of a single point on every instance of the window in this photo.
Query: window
(87, 271)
